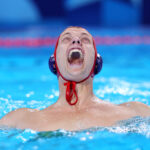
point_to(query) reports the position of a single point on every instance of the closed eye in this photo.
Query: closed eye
(85, 40)
(66, 39)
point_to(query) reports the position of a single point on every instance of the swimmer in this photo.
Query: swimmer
(75, 62)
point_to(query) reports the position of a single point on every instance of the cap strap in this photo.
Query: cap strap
(70, 90)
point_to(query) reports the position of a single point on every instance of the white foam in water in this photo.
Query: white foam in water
(122, 87)
(56, 93)
(49, 96)
(129, 91)
(134, 125)
(30, 94)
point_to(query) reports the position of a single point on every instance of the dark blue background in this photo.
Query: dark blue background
(107, 13)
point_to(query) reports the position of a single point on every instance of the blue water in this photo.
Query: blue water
(25, 81)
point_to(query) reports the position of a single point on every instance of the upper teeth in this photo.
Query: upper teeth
(75, 50)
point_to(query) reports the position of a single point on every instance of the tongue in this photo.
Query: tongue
(75, 58)
(75, 55)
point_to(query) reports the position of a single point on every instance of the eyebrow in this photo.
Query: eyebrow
(67, 33)
(84, 34)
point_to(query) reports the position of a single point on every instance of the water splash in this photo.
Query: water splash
(130, 133)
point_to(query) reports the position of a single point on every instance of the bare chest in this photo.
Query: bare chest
(76, 121)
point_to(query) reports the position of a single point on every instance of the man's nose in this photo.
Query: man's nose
(76, 41)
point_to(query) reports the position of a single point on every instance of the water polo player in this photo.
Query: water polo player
(75, 62)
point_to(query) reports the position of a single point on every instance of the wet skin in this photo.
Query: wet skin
(89, 111)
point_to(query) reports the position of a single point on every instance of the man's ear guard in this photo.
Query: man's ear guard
(98, 64)
(52, 65)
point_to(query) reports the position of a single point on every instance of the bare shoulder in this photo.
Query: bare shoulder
(135, 103)
(18, 115)
(140, 109)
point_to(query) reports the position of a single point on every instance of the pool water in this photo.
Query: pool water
(25, 81)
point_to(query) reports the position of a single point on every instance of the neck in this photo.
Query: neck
(84, 92)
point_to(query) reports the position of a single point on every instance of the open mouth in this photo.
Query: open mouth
(75, 58)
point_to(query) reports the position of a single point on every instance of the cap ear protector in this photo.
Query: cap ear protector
(52, 65)
(98, 63)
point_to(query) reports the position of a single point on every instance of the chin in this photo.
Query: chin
(76, 73)
(75, 69)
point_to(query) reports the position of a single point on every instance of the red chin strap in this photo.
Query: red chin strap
(71, 85)
(70, 90)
